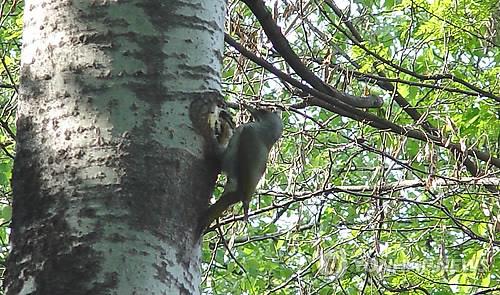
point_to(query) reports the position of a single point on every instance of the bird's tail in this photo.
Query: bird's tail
(215, 211)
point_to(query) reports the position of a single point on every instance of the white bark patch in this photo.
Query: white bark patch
(110, 172)
(194, 47)
(179, 131)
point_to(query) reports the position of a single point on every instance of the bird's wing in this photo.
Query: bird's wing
(252, 158)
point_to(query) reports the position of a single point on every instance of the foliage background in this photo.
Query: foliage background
(347, 208)
(10, 50)
(350, 209)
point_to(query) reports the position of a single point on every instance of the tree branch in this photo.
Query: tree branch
(400, 100)
(323, 100)
(280, 43)
(358, 43)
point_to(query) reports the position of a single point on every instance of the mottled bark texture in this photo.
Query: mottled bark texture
(113, 163)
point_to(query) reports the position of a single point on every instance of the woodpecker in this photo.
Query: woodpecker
(244, 161)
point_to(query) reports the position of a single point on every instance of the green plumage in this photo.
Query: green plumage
(244, 162)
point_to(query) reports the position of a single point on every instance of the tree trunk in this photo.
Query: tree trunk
(113, 163)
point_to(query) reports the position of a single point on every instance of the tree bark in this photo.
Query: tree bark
(114, 162)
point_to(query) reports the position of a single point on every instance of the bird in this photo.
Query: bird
(244, 161)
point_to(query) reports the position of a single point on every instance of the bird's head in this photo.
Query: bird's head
(260, 114)
(270, 120)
